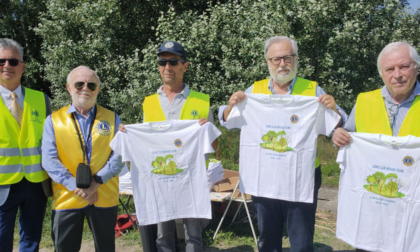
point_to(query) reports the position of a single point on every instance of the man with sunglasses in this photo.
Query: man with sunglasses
(74, 137)
(22, 115)
(281, 54)
(174, 101)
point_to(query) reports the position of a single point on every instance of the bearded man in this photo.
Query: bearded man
(281, 54)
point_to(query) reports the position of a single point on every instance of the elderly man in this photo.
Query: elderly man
(174, 101)
(281, 55)
(22, 115)
(80, 133)
(389, 110)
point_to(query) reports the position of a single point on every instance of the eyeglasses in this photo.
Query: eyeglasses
(277, 60)
(12, 62)
(91, 85)
(172, 62)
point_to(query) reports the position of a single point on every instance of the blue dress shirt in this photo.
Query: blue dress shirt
(56, 170)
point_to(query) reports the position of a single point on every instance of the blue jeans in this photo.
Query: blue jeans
(299, 218)
(31, 201)
(193, 239)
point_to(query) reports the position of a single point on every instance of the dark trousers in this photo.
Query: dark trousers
(299, 218)
(31, 201)
(148, 235)
(67, 228)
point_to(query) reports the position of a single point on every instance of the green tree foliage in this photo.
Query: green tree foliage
(379, 176)
(265, 139)
(392, 187)
(371, 180)
(338, 44)
(17, 20)
(108, 36)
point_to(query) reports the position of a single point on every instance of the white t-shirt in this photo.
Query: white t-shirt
(168, 168)
(278, 144)
(379, 197)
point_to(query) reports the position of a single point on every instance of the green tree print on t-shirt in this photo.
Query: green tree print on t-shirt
(276, 141)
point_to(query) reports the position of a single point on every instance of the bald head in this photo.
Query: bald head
(79, 68)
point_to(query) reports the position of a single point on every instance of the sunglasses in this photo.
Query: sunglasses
(172, 62)
(91, 85)
(12, 62)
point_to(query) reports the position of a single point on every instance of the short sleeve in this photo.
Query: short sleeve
(207, 134)
(341, 157)
(327, 120)
(120, 146)
(235, 119)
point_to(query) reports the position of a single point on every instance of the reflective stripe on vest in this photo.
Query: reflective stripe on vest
(371, 116)
(70, 154)
(196, 106)
(20, 154)
(301, 87)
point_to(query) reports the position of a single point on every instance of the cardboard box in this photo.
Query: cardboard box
(229, 183)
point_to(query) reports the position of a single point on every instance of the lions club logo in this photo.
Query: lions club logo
(194, 113)
(408, 161)
(103, 128)
(169, 45)
(178, 143)
(294, 119)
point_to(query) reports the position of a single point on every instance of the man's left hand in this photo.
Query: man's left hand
(88, 192)
(202, 121)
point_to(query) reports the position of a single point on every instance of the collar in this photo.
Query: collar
(73, 109)
(387, 96)
(6, 92)
(185, 92)
(289, 88)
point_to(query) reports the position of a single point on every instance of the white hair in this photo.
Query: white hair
(395, 45)
(10, 43)
(278, 39)
(79, 67)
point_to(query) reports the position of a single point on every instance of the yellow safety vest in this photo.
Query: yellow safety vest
(301, 87)
(20, 148)
(196, 106)
(371, 116)
(71, 154)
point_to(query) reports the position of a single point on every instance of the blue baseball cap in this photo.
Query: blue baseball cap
(173, 47)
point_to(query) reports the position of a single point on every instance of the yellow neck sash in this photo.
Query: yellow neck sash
(71, 154)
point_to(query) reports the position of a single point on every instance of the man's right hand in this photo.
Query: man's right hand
(121, 127)
(235, 99)
(341, 137)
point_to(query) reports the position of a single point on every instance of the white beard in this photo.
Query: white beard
(282, 79)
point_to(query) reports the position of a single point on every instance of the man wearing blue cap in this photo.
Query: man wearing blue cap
(174, 101)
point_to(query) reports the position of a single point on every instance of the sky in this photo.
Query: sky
(414, 4)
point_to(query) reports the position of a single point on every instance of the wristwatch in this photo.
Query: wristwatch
(98, 179)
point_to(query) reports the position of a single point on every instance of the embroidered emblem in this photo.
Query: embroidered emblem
(103, 128)
(169, 45)
(408, 161)
(194, 113)
(34, 116)
(178, 143)
(294, 119)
